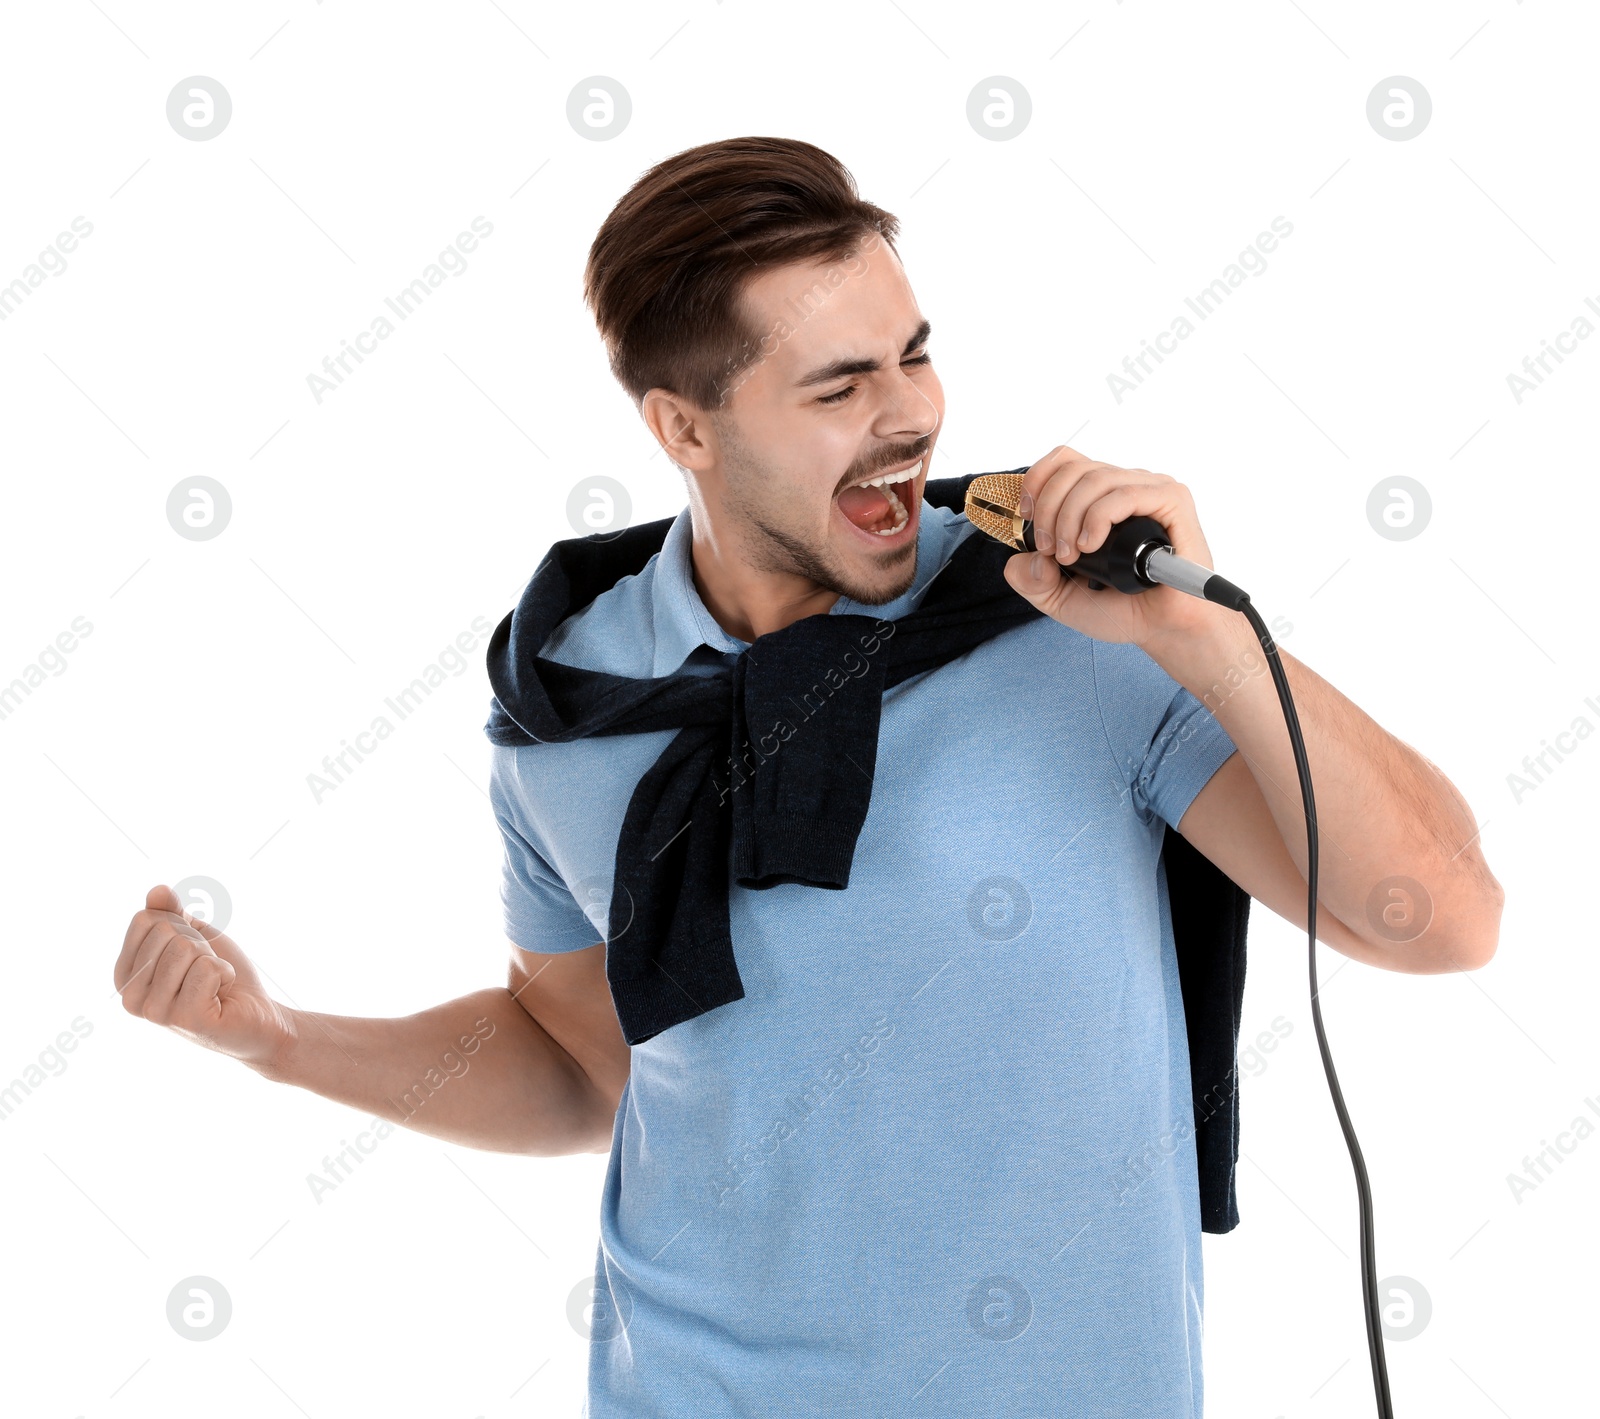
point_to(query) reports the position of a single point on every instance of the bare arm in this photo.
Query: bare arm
(480, 1070)
(1230, 823)
(1396, 834)
(568, 994)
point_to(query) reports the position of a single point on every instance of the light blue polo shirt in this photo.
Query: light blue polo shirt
(938, 1161)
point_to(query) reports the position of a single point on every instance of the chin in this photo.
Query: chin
(889, 577)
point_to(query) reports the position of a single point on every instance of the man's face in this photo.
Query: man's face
(843, 391)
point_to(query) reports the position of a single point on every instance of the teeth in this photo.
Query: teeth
(889, 482)
(901, 516)
(888, 479)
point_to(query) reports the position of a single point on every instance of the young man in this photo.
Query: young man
(898, 1158)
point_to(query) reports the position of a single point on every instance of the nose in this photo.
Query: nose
(907, 412)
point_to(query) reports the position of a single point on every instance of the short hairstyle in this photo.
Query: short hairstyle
(668, 267)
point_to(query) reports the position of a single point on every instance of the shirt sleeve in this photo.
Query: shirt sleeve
(540, 911)
(1167, 744)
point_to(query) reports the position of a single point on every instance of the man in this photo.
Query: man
(894, 1172)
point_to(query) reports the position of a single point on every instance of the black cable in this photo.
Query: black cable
(1127, 560)
(1369, 1284)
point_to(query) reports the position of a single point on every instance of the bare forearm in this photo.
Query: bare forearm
(1384, 813)
(478, 1071)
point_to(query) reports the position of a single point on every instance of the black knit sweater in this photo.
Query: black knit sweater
(798, 821)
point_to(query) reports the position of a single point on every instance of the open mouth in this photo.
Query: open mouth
(885, 508)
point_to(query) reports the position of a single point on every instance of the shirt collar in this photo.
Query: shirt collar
(682, 623)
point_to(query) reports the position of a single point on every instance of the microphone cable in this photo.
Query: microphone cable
(1369, 1283)
(1136, 555)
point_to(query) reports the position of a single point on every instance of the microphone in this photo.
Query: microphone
(1137, 553)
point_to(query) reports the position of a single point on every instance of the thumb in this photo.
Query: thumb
(1038, 580)
(161, 898)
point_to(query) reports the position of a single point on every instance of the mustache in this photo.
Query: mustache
(894, 458)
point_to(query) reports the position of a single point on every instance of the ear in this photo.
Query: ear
(681, 428)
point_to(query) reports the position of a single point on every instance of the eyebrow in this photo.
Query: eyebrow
(840, 368)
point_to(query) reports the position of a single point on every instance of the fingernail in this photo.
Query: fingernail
(1042, 540)
(1025, 503)
(1038, 564)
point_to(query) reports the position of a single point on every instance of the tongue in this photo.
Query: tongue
(866, 507)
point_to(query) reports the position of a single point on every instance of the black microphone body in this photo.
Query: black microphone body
(1116, 562)
(1136, 555)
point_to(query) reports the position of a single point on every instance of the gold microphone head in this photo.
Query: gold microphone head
(992, 507)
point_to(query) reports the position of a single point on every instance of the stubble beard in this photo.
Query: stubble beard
(772, 549)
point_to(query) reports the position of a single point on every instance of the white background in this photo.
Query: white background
(370, 529)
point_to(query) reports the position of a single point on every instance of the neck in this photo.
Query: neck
(744, 600)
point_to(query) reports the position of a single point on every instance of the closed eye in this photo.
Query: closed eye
(840, 395)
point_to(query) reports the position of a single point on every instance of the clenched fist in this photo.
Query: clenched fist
(185, 974)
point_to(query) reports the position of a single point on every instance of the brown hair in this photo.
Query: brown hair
(670, 262)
